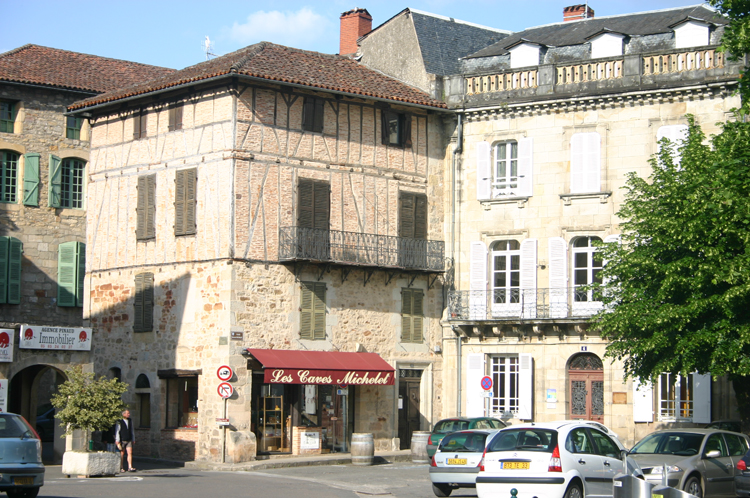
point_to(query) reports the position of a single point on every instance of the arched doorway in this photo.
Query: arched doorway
(586, 387)
(30, 395)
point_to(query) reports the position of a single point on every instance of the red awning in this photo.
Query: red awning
(282, 366)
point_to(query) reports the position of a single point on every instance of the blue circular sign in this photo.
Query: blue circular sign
(486, 383)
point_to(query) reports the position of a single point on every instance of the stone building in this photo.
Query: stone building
(550, 121)
(273, 219)
(43, 168)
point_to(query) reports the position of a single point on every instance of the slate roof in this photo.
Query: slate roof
(277, 63)
(38, 65)
(576, 32)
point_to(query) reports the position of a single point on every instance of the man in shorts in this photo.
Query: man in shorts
(124, 439)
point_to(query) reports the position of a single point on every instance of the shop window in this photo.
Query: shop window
(8, 175)
(182, 402)
(73, 127)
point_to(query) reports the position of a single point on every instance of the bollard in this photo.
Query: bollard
(628, 486)
(667, 492)
(513, 493)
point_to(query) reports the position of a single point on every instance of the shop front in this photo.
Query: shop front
(303, 402)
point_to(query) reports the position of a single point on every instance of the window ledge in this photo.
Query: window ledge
(602, 196)
(521, 200)
(75, 212)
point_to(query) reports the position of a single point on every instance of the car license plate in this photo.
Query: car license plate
(20, 481)
(514, 465)
(456, 461)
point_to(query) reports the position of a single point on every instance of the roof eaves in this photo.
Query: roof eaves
(691, 19)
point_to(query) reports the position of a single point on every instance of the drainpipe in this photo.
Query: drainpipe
(454, 166)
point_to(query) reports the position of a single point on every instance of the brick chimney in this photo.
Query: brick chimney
(577, 12)
(355, 23)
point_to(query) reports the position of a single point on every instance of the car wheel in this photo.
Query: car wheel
(441, 490)
(574, 491)
(693, 486)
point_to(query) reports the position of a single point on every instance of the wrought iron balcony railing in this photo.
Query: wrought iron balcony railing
(362, 249)
(523, 304)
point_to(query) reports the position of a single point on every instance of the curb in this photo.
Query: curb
(278, 463)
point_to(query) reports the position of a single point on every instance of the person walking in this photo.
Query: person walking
(124, 439)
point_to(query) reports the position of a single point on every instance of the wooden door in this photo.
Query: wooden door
(586, 387)
(408, 413)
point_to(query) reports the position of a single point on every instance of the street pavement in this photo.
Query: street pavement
(398, 479)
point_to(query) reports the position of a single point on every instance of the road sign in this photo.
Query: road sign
(225, 390)
(486, 383)
(487, 394)
(222, 421)
(224, 373)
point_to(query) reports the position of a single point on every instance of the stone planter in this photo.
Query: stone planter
(87, 464)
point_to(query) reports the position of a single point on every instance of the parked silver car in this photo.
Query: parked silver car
(21, 468)
(699, 461)
(742, 476)
(455, 463)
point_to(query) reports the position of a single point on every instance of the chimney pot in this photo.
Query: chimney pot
(577, 12)
(355, 23)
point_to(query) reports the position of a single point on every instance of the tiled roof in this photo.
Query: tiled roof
(34, 64)
(276, 63)
(577, 32)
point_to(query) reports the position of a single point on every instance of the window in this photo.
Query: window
(607, 45)
(66, 182)
(578, 441)
(675, 396)
(184, 202)
(8, 175)
(506, 272)
(691, 33)
(140, 125)
(524, 55)
(505, 169)
(606, 447)
(313, 311)
(396, 129)
(313, 110)
(142, 389)
(585, 160)
(175, 118)
(587, 264)
(7, 116)
(182, 402)
(71, 272)
(73, 127)
(143, 303)
(504, 371)
(11, 250)
(505, 173)
(412, 315)
(146, 209)
(314, 204)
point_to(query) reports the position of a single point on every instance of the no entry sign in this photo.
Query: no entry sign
(225, 390)
(486, 383)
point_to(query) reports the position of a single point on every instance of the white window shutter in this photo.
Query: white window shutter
(474, 374)
(478, 281)
(701, 398)
(558, 277)
(525, 167)
(525, 387)
(592, 162)
(643, 402)
(676, 134)
(528, 278)
(484, 172)
(576, 163)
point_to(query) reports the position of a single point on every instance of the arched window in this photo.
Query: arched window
(142, 382)
(506, 272)
(587, 265)
(143, 393)
(115, 373)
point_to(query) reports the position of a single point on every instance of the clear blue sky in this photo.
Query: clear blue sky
(171, 33)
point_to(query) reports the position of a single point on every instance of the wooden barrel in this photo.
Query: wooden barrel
(419, 447)
(363, 449)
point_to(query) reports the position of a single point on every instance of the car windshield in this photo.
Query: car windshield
(446, 426)
(13, 427)
(669, 443)
(524, 439)
(464, 442)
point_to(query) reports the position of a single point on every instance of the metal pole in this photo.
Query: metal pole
(224, 435)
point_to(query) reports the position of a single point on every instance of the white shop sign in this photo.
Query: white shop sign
(4, 395)
(309, 440)
(43, 337)
(6, 344)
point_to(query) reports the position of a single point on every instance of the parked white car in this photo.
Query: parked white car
(569, 459)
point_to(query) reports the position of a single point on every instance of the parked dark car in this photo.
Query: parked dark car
(448, 425)
(742, 476)
(726, 425)
(21, 467)
(45, 422)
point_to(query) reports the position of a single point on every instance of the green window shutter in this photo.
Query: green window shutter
(81, 276)
(417, 316)
(319, 309)
(4, 244)
(138, 304)
(15, 250)
(406, 312)
(55, 181)
(144, 303)
(179, 203)
(305, 204)
(420, 216)
(31, 180)
(412, 315)
(67, 269)
(306, 311)
(406, 211)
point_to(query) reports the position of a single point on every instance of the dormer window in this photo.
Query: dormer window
(607, 45)
(524, 54)
(691, 33)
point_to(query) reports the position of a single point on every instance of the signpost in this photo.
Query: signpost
(225, 390)
(487, 386)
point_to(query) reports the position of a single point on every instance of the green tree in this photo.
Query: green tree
(677, 287)
(736, 39)
(87, 403)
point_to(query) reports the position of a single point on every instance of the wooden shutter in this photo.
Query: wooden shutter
(184, 203)
(305, 203)
(384, 127)
(31, 180)
(525, 387)
(136, 126)
(577, 150)
(406, 315)
(67, 270)
(528, 277)
(144, 303)
(406, 210)
(701, 398)
(308, 113)
(138, 304)
(4, 245)
(484, 173)
(420, 216)
(417, 315)
(313, 311)
(407, 130)
(191, 195)
(15, 250)
(525, 167)
(474, 392)
(306, 311)
(175, 118)
(321, 205)
(558, 277)
(179, 203)
(81, 276)
(146, 209)
(55, 182)
(643, 402)
(319, 309)
(320, 107)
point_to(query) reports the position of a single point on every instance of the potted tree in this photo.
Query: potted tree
(85, 403)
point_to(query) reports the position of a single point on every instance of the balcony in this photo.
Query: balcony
(522, 304)
(361, 249)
